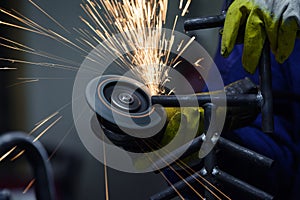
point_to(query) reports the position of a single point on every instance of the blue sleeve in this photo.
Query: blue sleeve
(284, 144)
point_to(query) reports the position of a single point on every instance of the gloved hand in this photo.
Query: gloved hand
(276, 20)
(181, 122)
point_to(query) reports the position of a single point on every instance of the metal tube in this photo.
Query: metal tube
(224, 144)
(170, 192)
(208, 144)
(191, 100)
(204, 22)
(186, 150)
(240, 151)
(266, 89)
(244, 187)
(37, 157)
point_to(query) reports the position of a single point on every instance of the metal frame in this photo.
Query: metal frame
(263, 99)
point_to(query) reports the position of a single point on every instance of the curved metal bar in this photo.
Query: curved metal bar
(37, 157)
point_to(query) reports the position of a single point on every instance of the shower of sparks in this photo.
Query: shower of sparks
(184, 48)
(140, 24)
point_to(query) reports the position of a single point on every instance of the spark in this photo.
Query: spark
(184, 48)
(67, 133)
(180, 4)
(166, 178)
(175, 65)
(105, 172)
(42, 122)
(18, 155)
(197, 63)
(45, 13)
(45, 78)
(31, 26)
(8, 68)
(180, 45)
(28, 186)
(14, 45)
(176, 172)
(170, 183)
(23, 82)
(186, 8)
(7, 153)
(46, 129)
(60, 143)
(44, 64)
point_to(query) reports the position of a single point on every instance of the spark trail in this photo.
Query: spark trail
(140, 24)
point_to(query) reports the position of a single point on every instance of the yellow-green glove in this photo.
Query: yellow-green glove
(276, 20)
(192, 121)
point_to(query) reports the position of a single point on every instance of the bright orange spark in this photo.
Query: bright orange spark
(18, 155)
(46, 129)
(8, 68)
(28, 186)
(187, 5)
(42, 122)
(7, 153)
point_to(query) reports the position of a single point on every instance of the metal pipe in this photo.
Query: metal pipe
(170, 192)
(204, 22)
(207, 22)
(186, 150)
(266, 89)
(224, 144)
(243, 152)
(210, 128)
(243, 186)
(201, 99)
(37, 157)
